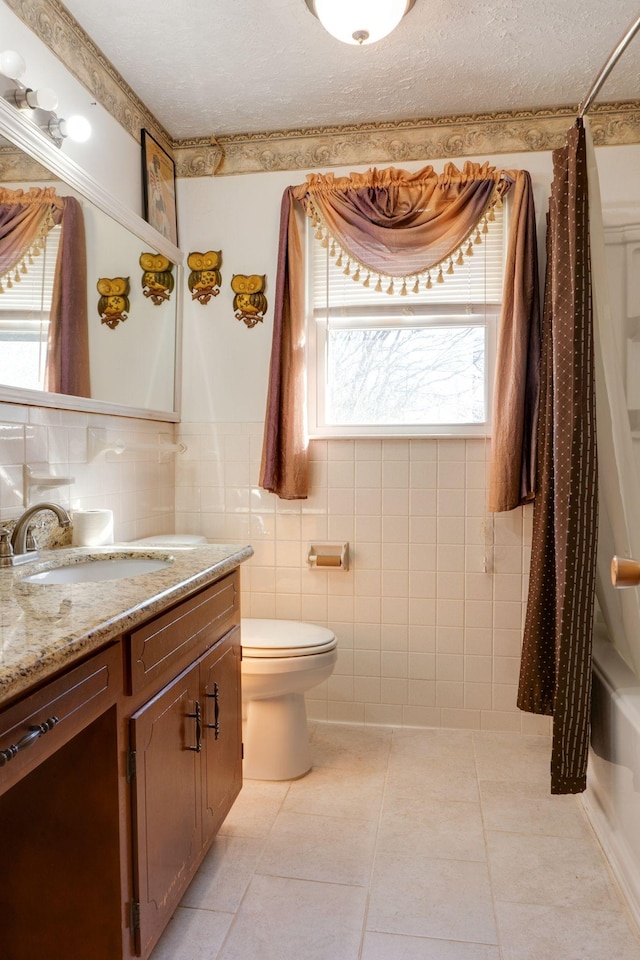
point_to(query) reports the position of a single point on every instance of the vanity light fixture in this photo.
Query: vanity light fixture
(359, 22)
(43, 102)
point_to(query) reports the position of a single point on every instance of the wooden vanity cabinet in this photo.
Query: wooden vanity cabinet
(186, 752)
(166, 801)
(222, 732)
(60, 881)
(115, 776)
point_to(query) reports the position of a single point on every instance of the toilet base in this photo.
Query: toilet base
(276, 738)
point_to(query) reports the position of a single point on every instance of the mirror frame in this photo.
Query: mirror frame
(21, 131)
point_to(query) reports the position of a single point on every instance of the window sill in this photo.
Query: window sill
(464, 431)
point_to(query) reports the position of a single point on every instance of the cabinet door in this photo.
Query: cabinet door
(165, 736)
(222, 730)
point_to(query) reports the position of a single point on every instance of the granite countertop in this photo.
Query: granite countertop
(46, 627)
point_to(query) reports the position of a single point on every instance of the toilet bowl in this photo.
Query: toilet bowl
(281, 660)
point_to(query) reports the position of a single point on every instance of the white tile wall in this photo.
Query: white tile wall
(426, 636)
(136, 485)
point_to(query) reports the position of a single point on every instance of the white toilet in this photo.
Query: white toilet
(281, 659)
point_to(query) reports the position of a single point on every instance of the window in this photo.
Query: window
(24, 319)
(405, 364)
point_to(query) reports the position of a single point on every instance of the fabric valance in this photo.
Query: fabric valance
(390, 225)
(25, 220)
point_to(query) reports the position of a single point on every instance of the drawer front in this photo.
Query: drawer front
(33, 729)
(171, 641)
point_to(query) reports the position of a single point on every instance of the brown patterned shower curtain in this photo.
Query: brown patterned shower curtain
(555, 674)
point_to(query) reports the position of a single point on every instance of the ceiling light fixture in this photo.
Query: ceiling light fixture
(359, 21)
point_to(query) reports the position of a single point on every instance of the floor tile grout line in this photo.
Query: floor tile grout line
(365, 916)
(486, 850)
(236, 912)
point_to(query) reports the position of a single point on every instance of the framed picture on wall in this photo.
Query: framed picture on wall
(159, 187)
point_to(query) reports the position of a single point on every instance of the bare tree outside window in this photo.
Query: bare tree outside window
(400, 376)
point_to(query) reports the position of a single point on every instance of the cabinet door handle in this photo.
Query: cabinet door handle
(215, 696)
(197, 716)
(36, 730)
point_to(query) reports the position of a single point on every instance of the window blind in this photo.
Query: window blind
(28, 297)
(477, 281)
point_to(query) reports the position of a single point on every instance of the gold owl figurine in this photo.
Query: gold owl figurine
(249, 303)
(205, 277)
(114, 300)
(157, 278)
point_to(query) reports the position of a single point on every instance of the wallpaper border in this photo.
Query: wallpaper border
(392, 142)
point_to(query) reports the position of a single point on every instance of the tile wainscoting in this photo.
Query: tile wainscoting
(134, 484)
(427, 635)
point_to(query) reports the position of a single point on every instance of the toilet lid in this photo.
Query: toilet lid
(284, 638)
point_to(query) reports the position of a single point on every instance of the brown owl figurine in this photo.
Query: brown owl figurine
(205, 277)
(157, 278)
(249, 303)
(114, 300)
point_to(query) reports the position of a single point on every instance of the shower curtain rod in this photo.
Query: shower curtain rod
(608, 67)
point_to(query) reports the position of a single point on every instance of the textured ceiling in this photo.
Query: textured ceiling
(214, 67)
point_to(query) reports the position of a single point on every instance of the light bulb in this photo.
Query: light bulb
(44, 99)
(76, 128)
(12, 64)
(360, 21)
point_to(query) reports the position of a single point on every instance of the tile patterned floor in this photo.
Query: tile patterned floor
(405, 844)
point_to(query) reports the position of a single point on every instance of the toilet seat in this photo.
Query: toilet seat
(269, 639)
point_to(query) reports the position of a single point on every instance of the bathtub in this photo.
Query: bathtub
(612, 798)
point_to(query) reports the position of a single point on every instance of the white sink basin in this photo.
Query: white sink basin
(87, 571)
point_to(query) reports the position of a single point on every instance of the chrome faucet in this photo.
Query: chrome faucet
(21, 540)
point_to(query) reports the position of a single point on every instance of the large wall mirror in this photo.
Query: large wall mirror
(133, 362)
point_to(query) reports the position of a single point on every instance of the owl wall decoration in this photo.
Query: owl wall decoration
(114, 300)
(205, 277)
(249, 303)
(157, 278)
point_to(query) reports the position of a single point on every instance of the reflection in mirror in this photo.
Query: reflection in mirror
(29, 264)
(52, 337)
(25, 307)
